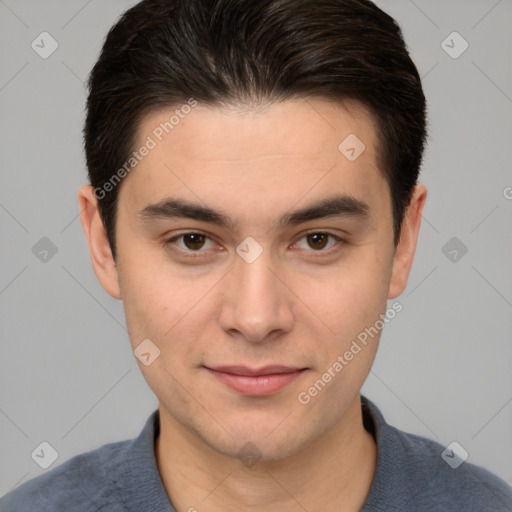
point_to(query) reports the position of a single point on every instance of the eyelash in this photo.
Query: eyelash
(195, 254)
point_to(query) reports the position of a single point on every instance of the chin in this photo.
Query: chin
(251, 452)
(263, 443)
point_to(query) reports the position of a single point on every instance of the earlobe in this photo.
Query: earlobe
(404, 254)
(102, 260)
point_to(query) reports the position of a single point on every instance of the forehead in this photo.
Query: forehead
(279, 153)
(298, 126)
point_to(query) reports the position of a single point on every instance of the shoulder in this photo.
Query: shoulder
(86, 482)
(420, 474)
(444, 480)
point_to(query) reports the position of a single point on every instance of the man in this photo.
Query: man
(254, 203)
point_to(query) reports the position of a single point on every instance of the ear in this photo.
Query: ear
(103, 263)
(404, 253)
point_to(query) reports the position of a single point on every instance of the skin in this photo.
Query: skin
(294, 305)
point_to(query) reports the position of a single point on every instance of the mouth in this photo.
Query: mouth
(262, 381)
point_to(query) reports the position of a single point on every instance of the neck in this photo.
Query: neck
(333, 472)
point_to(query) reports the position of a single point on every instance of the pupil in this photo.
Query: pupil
(194, 241)
(317, 240)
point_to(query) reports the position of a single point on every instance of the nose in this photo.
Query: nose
(256, 305)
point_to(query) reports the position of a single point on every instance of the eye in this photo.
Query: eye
(318, 241)
(191, 242)
(194, 242)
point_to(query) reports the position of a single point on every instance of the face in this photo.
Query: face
(252, 252)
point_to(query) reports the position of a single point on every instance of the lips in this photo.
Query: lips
(261, 381)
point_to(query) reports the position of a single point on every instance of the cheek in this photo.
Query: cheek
(161, 304)
(153, 309)
(148, 297)
(350, 302)
(349, 297)
(156, 310)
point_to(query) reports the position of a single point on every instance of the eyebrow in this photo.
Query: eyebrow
(342, 205)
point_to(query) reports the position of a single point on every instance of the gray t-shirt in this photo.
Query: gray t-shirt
(411, 475)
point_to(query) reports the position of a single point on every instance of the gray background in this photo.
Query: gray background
(443, 370)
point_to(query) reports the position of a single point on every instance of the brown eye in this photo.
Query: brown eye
(320, 242)
(193, 241)
(317, 241)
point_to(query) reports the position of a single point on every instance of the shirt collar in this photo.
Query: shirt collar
(139, 482)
